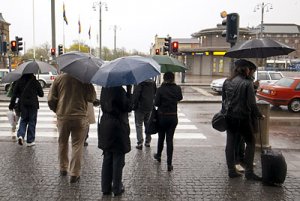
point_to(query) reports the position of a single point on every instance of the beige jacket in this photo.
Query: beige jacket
(91, 113)
(68, 97)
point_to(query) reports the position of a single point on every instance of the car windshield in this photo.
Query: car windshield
(285, 82)
(275, 76)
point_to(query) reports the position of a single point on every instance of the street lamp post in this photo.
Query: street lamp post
(262, 6)
(100, 4)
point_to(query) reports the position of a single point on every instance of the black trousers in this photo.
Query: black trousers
(238, 128)
(112, 170)
(167, 126)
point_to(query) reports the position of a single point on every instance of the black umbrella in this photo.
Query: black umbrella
(258, 48)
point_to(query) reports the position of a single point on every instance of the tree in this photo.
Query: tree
(41, 53)
(75, 47)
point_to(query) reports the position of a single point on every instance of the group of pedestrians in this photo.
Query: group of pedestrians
(70, 99)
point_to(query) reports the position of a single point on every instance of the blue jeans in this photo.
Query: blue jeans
(28, 124)
(140, 118)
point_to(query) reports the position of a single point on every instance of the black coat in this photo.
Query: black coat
(238, 98)
(27, 90)
(167, 97)
(114, 130)
(143, 95)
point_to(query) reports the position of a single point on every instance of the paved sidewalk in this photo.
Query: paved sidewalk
(31, 173)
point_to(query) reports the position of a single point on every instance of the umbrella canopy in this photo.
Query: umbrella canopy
(169, 64)
(126, 71)
(80, 65)
(26, 68)
(258, 48)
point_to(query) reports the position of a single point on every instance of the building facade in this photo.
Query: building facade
(4, 37)
(203, 54)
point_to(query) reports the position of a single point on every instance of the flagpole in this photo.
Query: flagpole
(64, 36)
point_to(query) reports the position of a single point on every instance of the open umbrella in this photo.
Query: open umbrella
(169, 64)
(80, 65)
(126, 71)
(26, 68)
(258, 48)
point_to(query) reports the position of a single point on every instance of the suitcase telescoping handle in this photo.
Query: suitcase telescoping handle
(259, 130)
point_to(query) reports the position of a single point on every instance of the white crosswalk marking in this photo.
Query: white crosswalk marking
(46, 124)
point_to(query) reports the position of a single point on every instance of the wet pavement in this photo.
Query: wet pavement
(200, 173)
(31, 173)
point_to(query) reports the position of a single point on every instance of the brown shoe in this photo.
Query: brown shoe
(74, 179)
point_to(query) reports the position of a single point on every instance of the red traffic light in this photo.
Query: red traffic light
(13, 46)
(175, 46)
(157, 51)
(53, 51)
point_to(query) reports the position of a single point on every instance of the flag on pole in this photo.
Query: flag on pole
(64, 14)
(79, 26)
(90, 32)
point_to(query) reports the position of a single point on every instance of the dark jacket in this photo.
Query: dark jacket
(167, 97)
(143, 95)
(238, 98)
(114, 130)
(27, 90)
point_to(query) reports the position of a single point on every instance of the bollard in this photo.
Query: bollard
(264, 108)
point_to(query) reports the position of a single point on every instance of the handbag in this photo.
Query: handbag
(152, 126)
(219, 122)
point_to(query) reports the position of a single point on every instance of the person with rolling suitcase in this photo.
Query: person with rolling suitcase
(273, 165)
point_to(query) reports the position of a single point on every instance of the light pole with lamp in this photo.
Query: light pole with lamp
(262, 6)
(100, 4)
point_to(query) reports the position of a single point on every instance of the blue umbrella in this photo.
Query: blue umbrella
(126, 71)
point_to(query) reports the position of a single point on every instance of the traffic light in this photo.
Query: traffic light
(232, 27)
(60, 49)
(175, 46)
(19, 43)
(13, 46)
(52, 51)
(157, 51)
(4, 47)
(167, 46)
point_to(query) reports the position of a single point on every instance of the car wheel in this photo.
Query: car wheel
(294, 105)
(42, 83)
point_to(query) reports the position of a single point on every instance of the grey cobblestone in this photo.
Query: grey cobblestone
(31, 173)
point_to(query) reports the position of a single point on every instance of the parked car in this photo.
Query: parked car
(264, 77)
(286, 91)
(3, 86)
(46, 79)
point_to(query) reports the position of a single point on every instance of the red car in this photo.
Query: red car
(285, 91)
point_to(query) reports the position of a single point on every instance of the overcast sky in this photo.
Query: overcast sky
(137, 21)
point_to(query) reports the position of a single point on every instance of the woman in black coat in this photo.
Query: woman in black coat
(113, 137)
(25, 93)
(166, 99)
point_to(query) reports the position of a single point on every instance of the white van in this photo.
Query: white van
(3, 72)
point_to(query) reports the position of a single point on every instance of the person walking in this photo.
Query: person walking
(68, 98)
(166, 99)
(113, 137)
(143, 97)
(25, 95)
(238, 102)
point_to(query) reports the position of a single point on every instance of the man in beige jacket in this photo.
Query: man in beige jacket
(68, 98)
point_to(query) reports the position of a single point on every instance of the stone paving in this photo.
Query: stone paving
(31, 173)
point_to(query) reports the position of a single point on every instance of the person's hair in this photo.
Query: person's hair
(169, 77)
(241, 66)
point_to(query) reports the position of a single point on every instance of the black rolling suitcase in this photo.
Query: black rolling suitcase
(273, 165)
